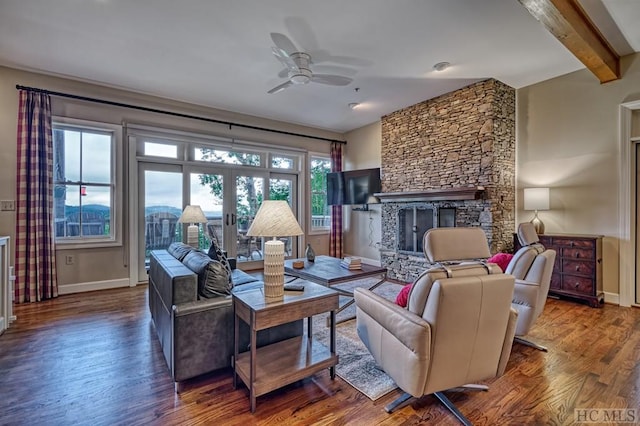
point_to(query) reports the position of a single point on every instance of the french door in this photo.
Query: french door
(229, 198)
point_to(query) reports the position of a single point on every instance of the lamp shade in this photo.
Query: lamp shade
(536, 198)
(274, 219)
(192, 214)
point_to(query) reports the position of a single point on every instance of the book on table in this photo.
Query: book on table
(352, 263)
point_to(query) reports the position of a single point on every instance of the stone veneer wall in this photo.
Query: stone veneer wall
(462, 139)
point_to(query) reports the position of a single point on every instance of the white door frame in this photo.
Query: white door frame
(627, 206)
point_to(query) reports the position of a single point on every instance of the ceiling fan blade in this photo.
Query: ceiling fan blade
(285, 59)
(283, 43)
(280, 87)
(332, 80)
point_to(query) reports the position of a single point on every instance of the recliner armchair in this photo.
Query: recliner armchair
(532, 267)
(458, 326)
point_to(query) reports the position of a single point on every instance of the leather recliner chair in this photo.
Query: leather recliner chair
(532, 267)
(458, 327)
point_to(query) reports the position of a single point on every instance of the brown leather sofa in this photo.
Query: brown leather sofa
(196, 333)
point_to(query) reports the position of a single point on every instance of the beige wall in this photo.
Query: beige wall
(362, 229)
(568, 140)
(111, 264)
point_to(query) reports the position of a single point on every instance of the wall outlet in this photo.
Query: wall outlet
(69, 259)
(7, 205)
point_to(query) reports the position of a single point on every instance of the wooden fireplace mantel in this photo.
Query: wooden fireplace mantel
(449, 194)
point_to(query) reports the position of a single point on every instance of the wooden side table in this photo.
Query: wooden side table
(273, 366)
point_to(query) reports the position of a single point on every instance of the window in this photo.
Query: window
(84, 183)
(320, 214)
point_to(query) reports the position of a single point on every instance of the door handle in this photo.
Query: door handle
(226, 219)
(233, 218)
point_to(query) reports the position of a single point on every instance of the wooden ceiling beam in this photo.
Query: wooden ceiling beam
(569, 23)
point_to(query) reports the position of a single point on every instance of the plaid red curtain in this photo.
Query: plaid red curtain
(335, 235)
(35, 265)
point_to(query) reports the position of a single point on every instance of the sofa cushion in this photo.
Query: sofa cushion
(213, 279)
(179, 250)
(241, 278)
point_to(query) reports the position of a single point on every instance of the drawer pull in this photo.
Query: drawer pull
(577, 285)
(577, 268)
(577, 255)
(572, 243)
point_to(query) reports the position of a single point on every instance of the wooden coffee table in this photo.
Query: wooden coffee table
(278, 364)
(326, 270)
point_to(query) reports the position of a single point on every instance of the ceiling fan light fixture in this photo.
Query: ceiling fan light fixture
(354, 105)
(441, 66)
(301, 76)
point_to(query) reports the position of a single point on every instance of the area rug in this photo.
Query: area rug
(356, 365)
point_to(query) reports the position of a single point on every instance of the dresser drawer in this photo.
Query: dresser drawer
(577, 267)
(578, 285)
(573, 242)
(577, 253)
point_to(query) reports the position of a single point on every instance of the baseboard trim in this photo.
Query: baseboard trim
(92, 286)
(612, 298)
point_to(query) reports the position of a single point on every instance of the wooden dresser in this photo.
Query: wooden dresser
(577, 272)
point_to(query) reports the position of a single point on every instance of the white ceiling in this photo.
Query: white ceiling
(218, 53)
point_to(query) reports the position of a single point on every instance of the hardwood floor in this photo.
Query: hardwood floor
(94, 358)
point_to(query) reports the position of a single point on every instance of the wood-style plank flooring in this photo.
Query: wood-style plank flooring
(94, 358)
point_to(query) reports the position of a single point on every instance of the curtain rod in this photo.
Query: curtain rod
(175, 114)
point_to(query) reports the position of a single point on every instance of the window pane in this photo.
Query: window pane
(282, 163)
(226, 157)
(82, 211)
(162, 205)
(96, 157)
(160, 150)
(66, 145)
(280, 189)
(206, 192)
(320, 216)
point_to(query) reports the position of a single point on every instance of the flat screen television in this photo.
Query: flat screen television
(352, 186)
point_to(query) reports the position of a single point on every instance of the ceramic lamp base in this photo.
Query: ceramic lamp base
(537, 224)
(274, 268)
(192, 236)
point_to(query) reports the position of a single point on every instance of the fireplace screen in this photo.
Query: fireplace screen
(413, 222)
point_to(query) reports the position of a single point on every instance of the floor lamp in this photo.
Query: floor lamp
(193, 215)
(274, 219)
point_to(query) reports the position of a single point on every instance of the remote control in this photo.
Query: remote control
(294, 287)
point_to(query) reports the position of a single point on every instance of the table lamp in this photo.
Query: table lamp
(274, 219)
(193, 215)
(536, 199)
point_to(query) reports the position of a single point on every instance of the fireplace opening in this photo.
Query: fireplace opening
(413, 222)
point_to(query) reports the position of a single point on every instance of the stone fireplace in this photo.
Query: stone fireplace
(449, 161)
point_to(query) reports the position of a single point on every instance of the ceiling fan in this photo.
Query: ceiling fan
(298, 66)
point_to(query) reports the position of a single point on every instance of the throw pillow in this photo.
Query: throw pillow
(213, 279)
(403, 297)
(216, 253)
(501, 259)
